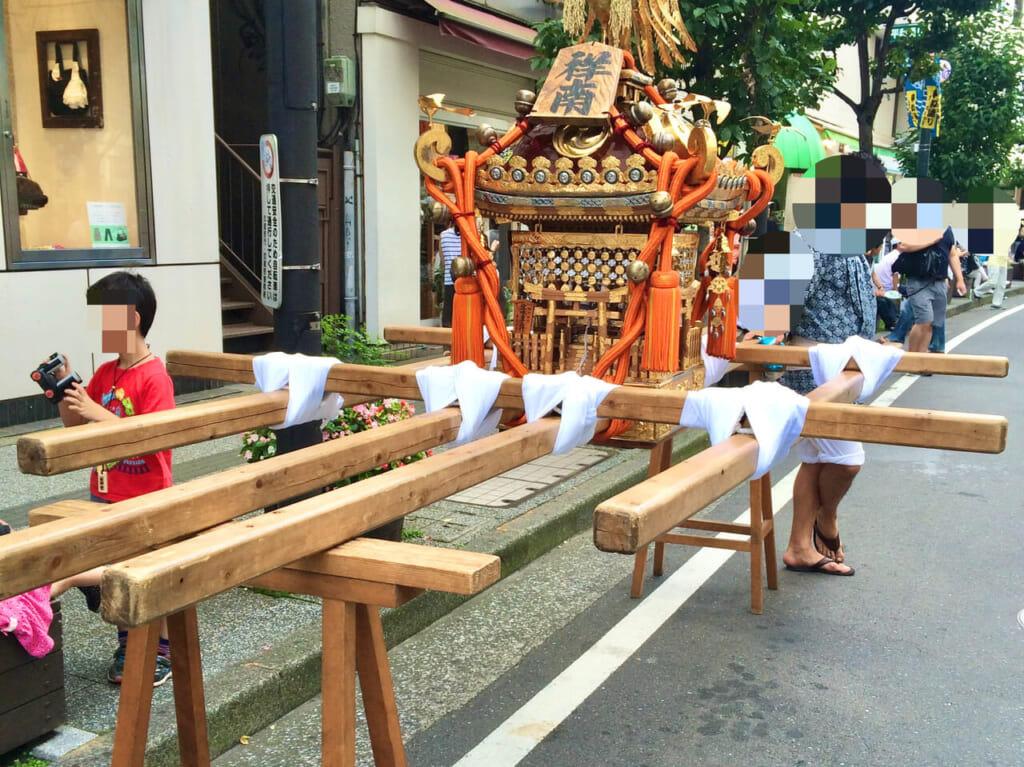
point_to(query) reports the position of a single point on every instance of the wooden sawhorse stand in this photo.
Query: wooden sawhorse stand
(354, 580)
(759, 532)
(353, 640)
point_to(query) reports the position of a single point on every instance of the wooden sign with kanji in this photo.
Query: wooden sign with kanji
(581, 86)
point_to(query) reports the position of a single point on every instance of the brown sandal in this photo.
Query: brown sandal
(832, 544)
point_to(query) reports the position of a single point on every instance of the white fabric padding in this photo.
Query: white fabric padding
(717, 410)
(475, 389)
(776, 416)
(305, 378)
(714, 367)
(876, 361)
(580, 397)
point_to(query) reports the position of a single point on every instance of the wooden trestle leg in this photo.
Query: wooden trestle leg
(338, 684)
(378, 691)
(136, 697)
(187, 678)
(660, 459)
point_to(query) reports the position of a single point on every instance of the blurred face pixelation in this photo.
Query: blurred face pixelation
(917, 209)
(845, 212)
(986, 223)
(119, 323)
(842, 211)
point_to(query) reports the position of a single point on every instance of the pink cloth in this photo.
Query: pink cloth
(29, 616)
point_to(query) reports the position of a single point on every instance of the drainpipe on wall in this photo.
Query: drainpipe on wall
(348, 180)
(360, 220)
(292, 93)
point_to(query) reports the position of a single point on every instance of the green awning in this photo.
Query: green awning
(800, 150)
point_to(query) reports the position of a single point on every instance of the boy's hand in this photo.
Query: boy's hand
(64, 370)
(81, 404)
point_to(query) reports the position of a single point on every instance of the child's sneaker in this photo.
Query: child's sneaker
(115, 671)
(163, 670)
(92, 597)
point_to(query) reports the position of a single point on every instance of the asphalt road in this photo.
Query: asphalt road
(914, 660)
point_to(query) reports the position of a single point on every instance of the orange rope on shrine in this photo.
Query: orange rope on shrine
(653, 304)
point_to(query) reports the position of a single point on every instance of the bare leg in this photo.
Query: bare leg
(807, 502)
(919, 337)
(834, 482)
(88, 578)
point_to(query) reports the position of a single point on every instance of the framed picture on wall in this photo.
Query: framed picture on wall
(70, 78)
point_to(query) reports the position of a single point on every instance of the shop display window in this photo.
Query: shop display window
(74, 178)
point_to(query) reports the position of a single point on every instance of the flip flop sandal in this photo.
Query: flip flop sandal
(818, 568)
(832, 544)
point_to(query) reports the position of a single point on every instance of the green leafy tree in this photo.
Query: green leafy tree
(763, 56)
(982, 132)
(885, 57)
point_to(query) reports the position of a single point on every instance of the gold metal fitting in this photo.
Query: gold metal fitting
(462, 267)
(637, 272)
(661, 204)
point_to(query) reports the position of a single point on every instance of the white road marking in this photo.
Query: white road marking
(518, 735)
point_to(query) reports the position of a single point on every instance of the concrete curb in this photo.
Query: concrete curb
(251, 695)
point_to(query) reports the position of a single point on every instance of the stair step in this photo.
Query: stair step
(233, 306)
(241, 329)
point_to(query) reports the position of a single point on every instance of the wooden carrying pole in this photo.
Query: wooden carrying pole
(792, 356)
(825, 420)
(149, 586)
(635, 517)
(911, 362)
(66, 449)
(33, 557)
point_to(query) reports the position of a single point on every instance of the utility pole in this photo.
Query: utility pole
(292, 95)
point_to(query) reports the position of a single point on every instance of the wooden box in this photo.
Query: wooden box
(31, 689)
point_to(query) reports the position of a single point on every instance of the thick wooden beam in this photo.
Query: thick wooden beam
(629, 521)
(418, 334)
(35, 556)
(62, 510)
(406, 564)
(751, 353)
(827, 420)
(66, 449)
(163, 581)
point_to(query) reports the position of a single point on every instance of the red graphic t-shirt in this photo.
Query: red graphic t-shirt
(142, 389)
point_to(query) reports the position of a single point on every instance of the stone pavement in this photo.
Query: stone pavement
(261, 650)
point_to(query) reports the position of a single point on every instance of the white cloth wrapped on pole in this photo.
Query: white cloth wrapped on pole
(580, 396)
(776, 415)
(473, 388)
(876, 361)
(305, 378)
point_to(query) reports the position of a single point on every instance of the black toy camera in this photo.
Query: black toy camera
(53, 387)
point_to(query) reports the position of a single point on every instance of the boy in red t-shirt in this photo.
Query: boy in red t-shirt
(136, 382)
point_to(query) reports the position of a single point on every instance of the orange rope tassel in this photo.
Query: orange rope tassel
(664, 306)
(468, 322)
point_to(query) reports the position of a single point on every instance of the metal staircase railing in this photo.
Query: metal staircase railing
(239, 211)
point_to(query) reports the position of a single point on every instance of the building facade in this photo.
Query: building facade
(108, 106)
